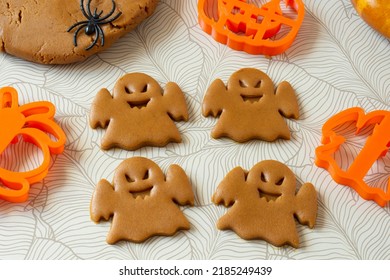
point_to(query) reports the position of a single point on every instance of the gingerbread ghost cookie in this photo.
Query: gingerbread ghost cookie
(142, 201)
(139, 113)
(249, 107)
(59, 31)
(264, 203)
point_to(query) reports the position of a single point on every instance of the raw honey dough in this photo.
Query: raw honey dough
(37, 30)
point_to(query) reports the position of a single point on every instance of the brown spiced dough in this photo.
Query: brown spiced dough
(37, 30)
(139, 113)
(142, 201)
(264, 203)
(248, 107)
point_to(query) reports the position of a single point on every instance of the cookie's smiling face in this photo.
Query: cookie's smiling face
(272, 179)
(250, 84)
(137, 90)
(139, 177)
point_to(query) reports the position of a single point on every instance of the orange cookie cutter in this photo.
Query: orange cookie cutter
(377, 145)
(245, 27)
(35, 122)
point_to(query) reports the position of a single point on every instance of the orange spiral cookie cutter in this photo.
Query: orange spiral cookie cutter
(245, 27)
(377, 145)
(33, 121)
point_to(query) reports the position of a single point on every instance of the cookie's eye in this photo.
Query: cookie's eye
(263, 178)
(280, 182)
(243, 84)
(145, 89)
(258, 84)
(129, 179)
(128, 91)
(146, 176)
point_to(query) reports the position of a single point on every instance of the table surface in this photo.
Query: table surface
(336, 62)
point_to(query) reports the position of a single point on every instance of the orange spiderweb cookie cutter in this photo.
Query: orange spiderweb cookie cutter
(35, 123)
(245, 27)
(377, 145)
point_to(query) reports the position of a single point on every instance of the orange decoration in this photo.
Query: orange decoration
(245, 27)
(33, 121)
(376, 146)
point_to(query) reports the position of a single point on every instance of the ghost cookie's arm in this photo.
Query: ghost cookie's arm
(101, 109)
(175, 102)
(287, 101)
(231, 188)
(179, 186)
(102, 202)
(306, 205)
(214, 99)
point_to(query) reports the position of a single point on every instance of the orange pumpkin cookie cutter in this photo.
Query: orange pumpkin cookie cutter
(377, 145)
(245, 27)
(35, 123)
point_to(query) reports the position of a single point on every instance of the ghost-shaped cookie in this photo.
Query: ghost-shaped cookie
(142, 201)
(249, 107)
(264, 203)
(139, 113)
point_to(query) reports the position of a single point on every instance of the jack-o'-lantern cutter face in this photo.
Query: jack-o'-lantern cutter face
(238, 11)
(255, 26)
(139, 177)
(251, 85)
(137, 89)
(272, 179)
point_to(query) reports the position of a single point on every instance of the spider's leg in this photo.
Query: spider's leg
(83, 10)
(100, 30)
(76, 34)
(96, 38)
(76, 24)
(89, 9)
(110, 13)
(110, 20)
(96, 15)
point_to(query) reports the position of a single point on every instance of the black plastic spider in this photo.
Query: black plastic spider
(93, 22)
